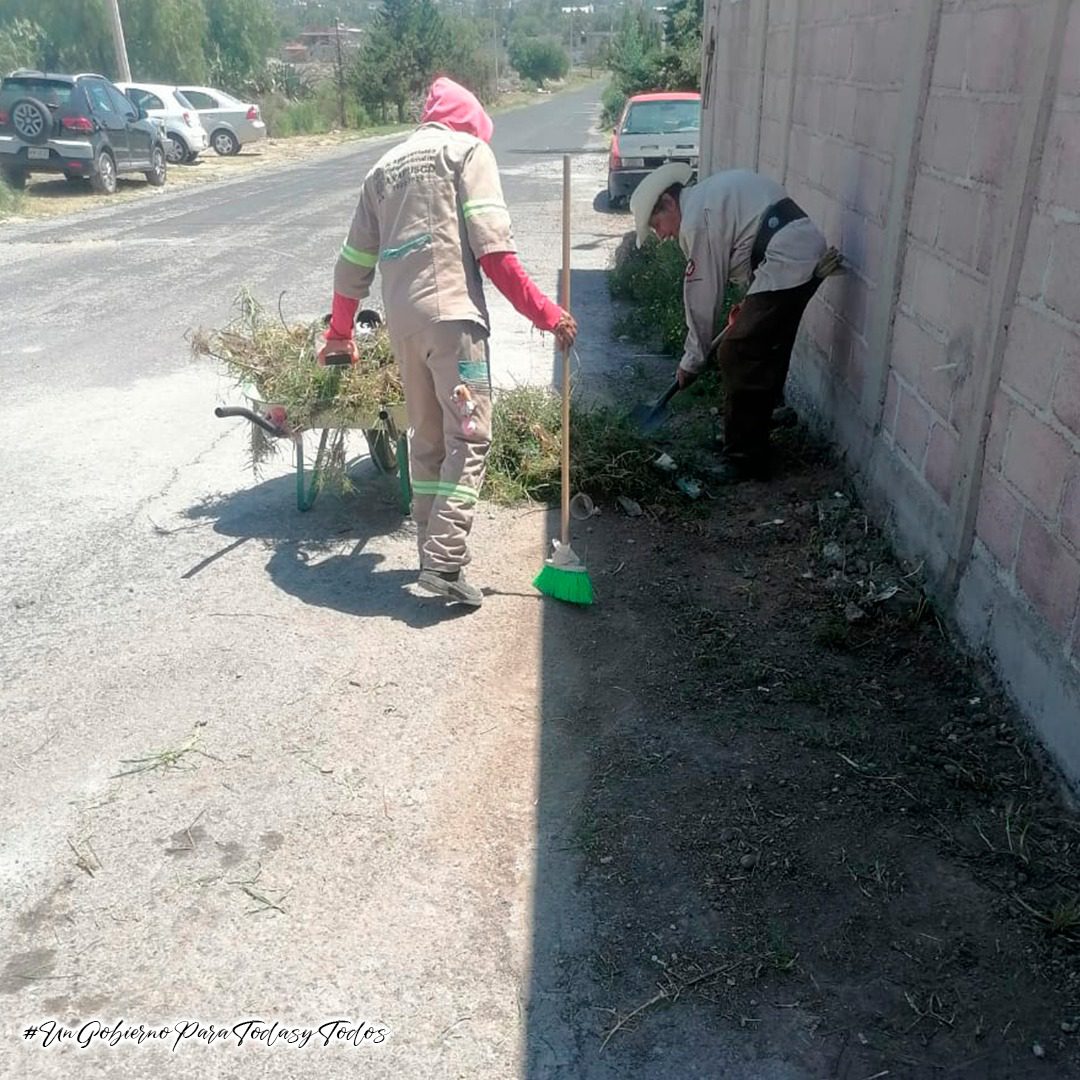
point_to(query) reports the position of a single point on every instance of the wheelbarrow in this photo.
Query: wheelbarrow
(385, 432)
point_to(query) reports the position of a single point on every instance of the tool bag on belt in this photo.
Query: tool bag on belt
(773, 220)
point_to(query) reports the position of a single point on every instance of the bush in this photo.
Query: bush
(316, 115)
(650, 279)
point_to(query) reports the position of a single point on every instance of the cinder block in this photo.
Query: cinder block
(854, 242)
(926, 199)
(912, 427)
(999, 37)
(933, 287)
(958, 225)
(1037, 462)
(1060, 181)
(1070, 511)
(854, 302)
(890, 49)
(1069, 77)
(954, 41)
(995, 135)
(841, 49)
(949, 135)
(914, 356)
(940, 468)
(1033, 355)
(846, 98)
(1063, 277)
(862, 52)
(1067, 390)
(988, 235)
(892, 400)
(1036, 254)
(1048, 574)
(855, 372)
(826, 115)
(1000, 420)
(876, 113)
(999, 519)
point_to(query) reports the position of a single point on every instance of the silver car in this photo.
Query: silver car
(231, 123)
(187, 138)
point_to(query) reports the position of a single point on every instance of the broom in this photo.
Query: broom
(564, 575)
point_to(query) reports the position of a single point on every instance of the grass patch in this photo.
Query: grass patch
(10, 200)
(608, 456)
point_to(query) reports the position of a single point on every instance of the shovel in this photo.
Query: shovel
(647, 418)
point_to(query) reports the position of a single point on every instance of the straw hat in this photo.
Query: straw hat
(647, 194)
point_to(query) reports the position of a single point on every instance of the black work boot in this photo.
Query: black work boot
(452, 585)
(737, 468)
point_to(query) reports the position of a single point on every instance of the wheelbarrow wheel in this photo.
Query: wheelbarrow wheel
(383, 448)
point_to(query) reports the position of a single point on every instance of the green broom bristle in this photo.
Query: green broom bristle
(573, 586)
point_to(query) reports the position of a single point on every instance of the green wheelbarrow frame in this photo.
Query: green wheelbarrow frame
(385, 433)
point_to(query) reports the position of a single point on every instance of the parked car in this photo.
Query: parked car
(79, 125)
(231, 123)
(187, 138)
(652, 130)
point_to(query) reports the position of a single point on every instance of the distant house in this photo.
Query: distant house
(322, 44)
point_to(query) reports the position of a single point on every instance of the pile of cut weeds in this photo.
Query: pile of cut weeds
(814, 801)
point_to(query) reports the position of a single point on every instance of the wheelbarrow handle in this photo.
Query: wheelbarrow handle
(223, 411)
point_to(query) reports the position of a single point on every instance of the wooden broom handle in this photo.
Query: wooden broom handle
(566, 353)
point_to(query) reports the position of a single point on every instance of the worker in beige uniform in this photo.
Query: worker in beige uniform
(431, 215)
(738, 226)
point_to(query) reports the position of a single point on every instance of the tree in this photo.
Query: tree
(74, 37)
(240, 35)
(20, 45)
(406, 46)
(539, 59)
(165, 39)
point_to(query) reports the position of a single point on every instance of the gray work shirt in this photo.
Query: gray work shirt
(720, 219)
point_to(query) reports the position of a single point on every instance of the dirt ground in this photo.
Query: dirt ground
(814, 822)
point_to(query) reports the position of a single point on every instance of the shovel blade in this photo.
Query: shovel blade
(647, 418)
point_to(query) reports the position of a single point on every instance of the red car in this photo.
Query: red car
(652, 130)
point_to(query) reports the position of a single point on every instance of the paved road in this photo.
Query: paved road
(340, 746)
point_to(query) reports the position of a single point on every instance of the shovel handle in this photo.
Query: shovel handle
(669, 393)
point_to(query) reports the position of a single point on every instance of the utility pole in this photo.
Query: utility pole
(119, 45)
(495, 42)
(340, 75)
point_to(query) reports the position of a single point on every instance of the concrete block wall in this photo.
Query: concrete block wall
(937, 142)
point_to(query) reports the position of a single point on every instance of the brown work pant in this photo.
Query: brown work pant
(447, 379)
(754, 358)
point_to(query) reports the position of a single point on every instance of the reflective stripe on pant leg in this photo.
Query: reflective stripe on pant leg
(461, 373)
(426, 448)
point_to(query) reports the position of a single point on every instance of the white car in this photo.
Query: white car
(186, 138)
(232, 123)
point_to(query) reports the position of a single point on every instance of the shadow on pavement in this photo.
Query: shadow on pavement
(323, 556)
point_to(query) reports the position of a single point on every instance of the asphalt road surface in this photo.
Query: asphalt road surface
(211, 702)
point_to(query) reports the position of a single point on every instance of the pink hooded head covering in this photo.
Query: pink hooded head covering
(450, 104)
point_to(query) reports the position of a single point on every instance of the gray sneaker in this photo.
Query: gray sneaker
(452, 585)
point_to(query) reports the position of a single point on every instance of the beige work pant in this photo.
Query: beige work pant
(447, 378)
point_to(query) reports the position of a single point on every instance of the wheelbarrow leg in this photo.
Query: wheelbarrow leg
(308, 492)
(404, 483)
